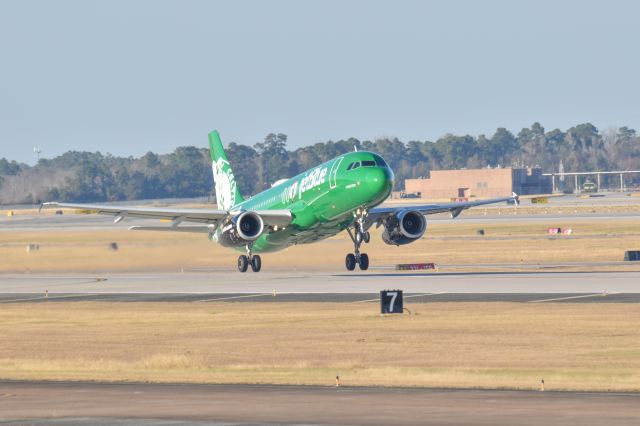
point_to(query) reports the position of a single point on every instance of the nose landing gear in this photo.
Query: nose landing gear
(358, 236)
(250, 259)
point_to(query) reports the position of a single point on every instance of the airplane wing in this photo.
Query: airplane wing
(377, 214)
(209, 218)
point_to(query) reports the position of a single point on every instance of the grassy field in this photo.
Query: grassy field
(444, 243)
(490, 345)
(571, 346)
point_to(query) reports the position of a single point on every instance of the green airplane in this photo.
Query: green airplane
(340, 194)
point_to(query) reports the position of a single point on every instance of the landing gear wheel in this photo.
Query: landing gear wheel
(364, 261)
(243, 263)
(350, 262)
(358, 236)
(256, 263)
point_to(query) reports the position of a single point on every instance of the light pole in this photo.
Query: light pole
(37, 151)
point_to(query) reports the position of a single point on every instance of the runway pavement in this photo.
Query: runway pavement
(317, 286)
(73, 403)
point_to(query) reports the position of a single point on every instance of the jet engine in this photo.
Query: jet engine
(242, 229)
(404, 227)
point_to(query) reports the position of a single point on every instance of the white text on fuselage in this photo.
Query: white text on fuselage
(313, 179)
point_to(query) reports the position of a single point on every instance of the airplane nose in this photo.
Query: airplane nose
(379, 180)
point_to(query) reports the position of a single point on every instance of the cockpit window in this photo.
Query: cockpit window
(379, 161)
(366, 163)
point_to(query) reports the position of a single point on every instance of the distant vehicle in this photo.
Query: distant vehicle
(589, 186)
(341, 194)
(411, 195)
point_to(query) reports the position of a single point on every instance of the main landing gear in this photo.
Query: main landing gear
(358, 236)
(249, 259)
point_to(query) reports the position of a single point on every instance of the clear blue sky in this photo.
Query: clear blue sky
(127, 77)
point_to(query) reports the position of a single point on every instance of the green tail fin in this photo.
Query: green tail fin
(227, 193)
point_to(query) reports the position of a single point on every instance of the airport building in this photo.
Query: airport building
(467, 183)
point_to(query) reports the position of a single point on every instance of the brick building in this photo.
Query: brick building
(479, 183)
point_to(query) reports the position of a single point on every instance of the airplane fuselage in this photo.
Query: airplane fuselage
(322, 200)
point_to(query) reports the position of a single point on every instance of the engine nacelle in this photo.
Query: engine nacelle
(404, 227)
(244, 228)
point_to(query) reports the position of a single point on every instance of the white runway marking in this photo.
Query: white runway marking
(22, 300)
(572, 297)
(235, 297)
(404, 297)
(51, 297)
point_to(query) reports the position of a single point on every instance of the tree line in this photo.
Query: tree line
(186, 172)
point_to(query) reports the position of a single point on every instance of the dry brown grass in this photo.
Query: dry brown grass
(449, 242)
(571, 346)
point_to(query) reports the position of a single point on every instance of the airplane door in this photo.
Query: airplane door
(334, 172)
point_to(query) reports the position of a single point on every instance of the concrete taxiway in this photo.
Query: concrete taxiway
(330, 287)
(325, 282)
(37, 403)
(541, 214)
